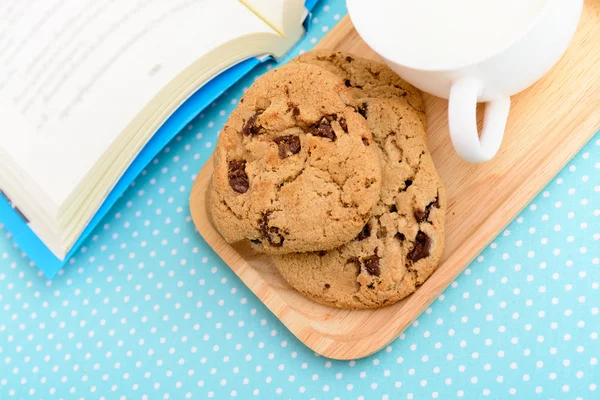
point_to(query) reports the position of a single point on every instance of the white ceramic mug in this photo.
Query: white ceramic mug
(506, 70)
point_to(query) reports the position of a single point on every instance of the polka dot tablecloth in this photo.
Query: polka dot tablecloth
(147, 310)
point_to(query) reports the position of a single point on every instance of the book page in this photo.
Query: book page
(281, 15)
(76, 72)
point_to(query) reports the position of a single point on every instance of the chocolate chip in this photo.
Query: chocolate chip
(343, 124)
(403, 94)
(435, 204)
(238, 179)
(275, 238)
(327, 286)
(321, 253)
(421, 249)
(407, 183)
(393, 208)
(366, 141)
(293, 108)
(250, 127)
(372, 265)
(255, 241)
(400, 236)
(354, 260)
(270, 233)
(323, 129)
(422, 216)
(349, 59)
(365, 233)
(362, 109)
(288, 145)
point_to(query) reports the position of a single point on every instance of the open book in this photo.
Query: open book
(85, 85)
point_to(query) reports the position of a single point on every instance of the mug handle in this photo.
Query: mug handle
(462, 121)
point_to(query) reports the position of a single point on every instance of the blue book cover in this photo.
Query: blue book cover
(17, 224)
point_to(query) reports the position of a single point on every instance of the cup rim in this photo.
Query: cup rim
(372, 42)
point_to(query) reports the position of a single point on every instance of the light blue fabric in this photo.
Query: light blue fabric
(148, 310)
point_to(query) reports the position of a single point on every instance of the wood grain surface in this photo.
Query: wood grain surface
(548, 124)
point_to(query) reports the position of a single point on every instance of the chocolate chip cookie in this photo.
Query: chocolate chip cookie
(400, 246)
(296, 168)
(368, 78)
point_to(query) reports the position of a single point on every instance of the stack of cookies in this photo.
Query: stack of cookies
(324, 166)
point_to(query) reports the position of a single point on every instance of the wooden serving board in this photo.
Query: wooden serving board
(548, 124)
